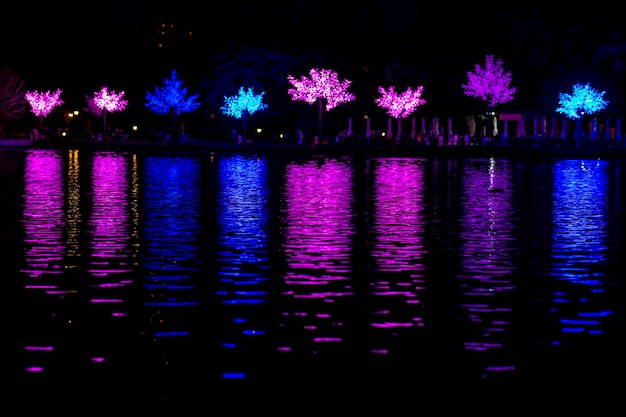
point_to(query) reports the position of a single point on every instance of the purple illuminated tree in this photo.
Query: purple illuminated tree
(584, 99)
(106, 101)
(490, 83)
(246, 102)
(401, 105)
(172, 99)
(322, 85)
(42, 103)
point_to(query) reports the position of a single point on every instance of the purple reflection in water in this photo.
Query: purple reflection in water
(398, 215)
(486, 268)
(398, 247)
(44, 223)
(318, 228)
(110, 214)
(44, 214)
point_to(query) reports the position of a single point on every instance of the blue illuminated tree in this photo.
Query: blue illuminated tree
(246, 102)
(584, 99)
(172, 99)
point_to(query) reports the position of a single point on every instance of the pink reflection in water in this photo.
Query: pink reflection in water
(399, 220)
(44, 215)
(318, 229)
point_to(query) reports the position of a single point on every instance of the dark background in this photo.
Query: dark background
(216, 47)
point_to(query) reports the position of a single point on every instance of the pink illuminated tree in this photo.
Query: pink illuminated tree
(322, 85)
(42, 103)
(400, 105)
(104, 101)
(490, 83)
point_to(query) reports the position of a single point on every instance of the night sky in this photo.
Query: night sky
(80, 46)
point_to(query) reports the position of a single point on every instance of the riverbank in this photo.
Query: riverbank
(517, 149)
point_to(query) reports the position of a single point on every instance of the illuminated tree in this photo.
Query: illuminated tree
(490, 83)
(12, 103)
(107, 101)
(583, 100)
(401, 105)
(42, 103)
(172, 99)
(246, 102)
(322, 85)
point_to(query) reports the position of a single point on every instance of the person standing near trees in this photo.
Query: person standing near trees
(299, 137)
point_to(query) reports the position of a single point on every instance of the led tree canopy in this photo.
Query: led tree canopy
(321, 84)
(245, 102)
(42, 103)
(400, 105)
(490, 83)
(584, 99)
(172, 98)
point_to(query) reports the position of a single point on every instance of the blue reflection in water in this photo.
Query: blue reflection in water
(242, 257)
(171, 230)
(487, 237)
(579, 248)
(318, 227)
(398, 246)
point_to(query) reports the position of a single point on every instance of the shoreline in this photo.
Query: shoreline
(527, 148)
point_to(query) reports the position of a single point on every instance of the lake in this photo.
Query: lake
(185, 275)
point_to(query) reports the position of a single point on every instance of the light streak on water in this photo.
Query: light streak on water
(243, 254)
(579, 249)
(318, 227)
(109, 221)
(44, 214)
(487, 241)
(171, 230)
(398, 247)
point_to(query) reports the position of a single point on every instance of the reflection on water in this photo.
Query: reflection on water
(226, 267)
(171, 265)
(44, 230)
(487, 236)
(579, 249)
(44, 217)
(318, 227)
(398, 223)
(242, 260)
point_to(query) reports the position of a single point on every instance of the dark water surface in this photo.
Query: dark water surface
(161, 276)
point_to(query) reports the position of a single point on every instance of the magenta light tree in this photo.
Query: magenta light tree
(42, 103)
(400, 105)
(104, 101)
(322, 85)
(244, 103)
(172, 99)
(491, 84)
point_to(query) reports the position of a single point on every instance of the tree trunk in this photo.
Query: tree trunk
(319, 120)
